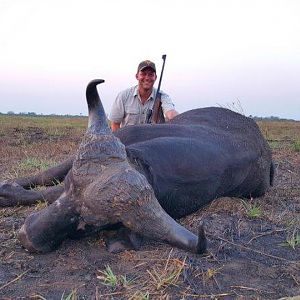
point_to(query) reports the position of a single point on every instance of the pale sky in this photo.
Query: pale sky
(231, 53)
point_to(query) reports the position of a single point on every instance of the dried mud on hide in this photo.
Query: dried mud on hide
(254, 249)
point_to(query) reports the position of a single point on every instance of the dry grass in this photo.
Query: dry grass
(30, 144)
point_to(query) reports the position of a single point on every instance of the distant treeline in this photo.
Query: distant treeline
(271, 118)
(33, 114)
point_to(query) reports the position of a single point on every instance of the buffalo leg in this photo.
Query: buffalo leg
(43, 231)
(48, 177)
(12, 194)
(18, 192)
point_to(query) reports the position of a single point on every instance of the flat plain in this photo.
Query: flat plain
(254, 245)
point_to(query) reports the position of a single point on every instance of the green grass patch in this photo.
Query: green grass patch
(252, 210)
(274, 144)
(30, 163)
(109, 278)
(71, 296)
(292, 241)
(138, 295)
(57, 132)
(296, 146)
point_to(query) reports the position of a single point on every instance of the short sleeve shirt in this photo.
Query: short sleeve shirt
(129, 110)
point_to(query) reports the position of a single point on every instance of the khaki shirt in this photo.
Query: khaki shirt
(129, 110)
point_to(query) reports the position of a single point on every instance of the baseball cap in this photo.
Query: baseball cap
(146, 64)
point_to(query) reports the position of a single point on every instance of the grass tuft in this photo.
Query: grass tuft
(124, 281)
(108, 277)
(293, 240)
(274, 145)
(235, 106)
(169, 276)
(140, 296)
(71, 296)
(41, 204)
(210, 273)
(252, 210)
(30, 163)
(296, 146)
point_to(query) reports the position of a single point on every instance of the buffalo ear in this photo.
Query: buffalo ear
(143, 166)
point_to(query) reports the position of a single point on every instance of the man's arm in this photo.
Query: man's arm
(117, 113)
(168, 107)
(115, 126)
(170, 114)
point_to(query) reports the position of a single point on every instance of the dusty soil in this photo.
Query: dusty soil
(249, 257)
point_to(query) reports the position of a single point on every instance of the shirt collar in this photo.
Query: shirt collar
(135, 93)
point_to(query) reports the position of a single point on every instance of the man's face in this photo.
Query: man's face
(146, 78)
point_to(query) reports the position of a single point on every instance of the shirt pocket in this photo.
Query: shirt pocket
(132, 116)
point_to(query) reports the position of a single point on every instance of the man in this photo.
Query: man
(132, 105)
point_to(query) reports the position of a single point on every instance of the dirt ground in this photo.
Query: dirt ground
(254, 250)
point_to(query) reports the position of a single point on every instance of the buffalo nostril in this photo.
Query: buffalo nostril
(23, 238)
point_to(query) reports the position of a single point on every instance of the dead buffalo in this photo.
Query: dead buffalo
(144, 176)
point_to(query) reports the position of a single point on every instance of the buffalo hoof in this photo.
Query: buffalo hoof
(202, 241)
(12, 194)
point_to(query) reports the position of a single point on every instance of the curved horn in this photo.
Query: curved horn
(156, 223)
(97, 118)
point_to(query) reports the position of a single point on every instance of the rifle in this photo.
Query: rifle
(156, 115)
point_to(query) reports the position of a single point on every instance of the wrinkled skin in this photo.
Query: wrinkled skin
(165, 171)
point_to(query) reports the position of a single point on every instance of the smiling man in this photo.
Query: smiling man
(132, 105)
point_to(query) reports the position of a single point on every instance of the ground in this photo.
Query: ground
(253, 246)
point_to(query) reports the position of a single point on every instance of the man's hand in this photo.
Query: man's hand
(114, 126)
(170, 114)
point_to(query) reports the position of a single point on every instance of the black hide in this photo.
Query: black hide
(200, 155)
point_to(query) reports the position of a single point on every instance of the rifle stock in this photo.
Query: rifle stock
(158, 115)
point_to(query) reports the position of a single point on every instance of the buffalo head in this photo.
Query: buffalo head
(101, 189)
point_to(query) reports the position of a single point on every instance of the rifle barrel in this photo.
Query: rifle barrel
(161, 74)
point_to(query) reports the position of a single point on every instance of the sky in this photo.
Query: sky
(239, 54)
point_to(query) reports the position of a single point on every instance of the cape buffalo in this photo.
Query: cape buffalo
(144, 176)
